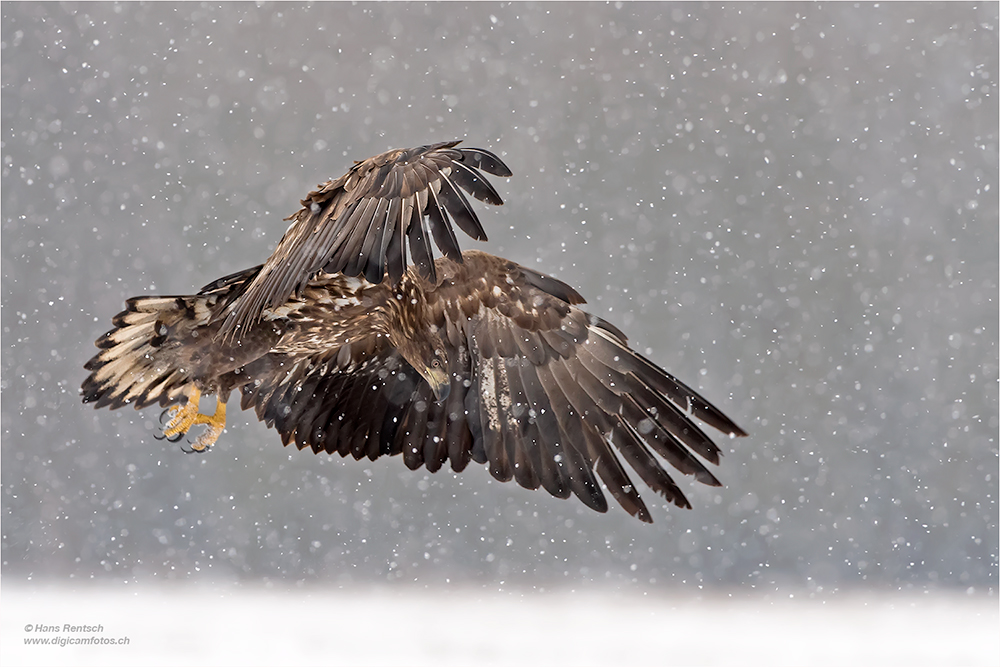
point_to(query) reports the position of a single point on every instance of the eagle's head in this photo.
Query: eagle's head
(426, 352)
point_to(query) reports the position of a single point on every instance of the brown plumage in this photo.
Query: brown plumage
(525, 381)
(467, 358)
(359, 224)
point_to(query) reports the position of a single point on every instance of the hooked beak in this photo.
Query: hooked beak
(439, 381)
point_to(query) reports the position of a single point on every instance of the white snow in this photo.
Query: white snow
(400, 626)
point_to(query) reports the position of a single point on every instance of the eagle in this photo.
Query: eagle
(343, 346)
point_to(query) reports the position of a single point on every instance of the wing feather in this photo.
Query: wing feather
(547, 437)
(485, 160)
(540, 392)
(414, 427)
(371, 263)
(420, 246)
(395, 253)
(635, 453)
(519, 430)
(559, 399)
(473, 182)
(304, 423)
(579, 467)
(460, 211)
(341, 226)
(444, 235)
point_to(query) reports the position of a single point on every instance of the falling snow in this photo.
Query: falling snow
(793, 208)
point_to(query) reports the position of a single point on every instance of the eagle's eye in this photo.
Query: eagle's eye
(436, 363)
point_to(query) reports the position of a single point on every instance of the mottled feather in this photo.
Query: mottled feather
(356, 224)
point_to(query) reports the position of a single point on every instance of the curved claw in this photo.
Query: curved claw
(192, 450)
(174, 438)
(177, 420)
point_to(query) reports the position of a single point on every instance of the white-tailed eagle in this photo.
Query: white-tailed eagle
(469, 357)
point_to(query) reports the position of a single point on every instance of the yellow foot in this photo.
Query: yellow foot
(183, 417)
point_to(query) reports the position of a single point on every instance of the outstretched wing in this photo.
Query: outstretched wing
(359, 224)
(542, 392)
(557, 399)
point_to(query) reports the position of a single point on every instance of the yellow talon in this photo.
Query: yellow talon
(183, 417)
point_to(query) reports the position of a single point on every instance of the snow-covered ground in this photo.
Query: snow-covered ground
(409, 627)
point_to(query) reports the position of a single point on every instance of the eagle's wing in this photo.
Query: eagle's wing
(359, 223)
(334, 401)
(541, 391)
(556, 398)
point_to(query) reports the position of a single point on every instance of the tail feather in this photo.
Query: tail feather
(149, 356)
(136, 365)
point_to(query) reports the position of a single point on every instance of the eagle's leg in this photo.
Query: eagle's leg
(215, 423)
(183, 417)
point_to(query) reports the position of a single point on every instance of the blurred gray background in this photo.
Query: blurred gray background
(792, 207)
